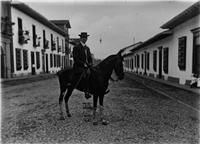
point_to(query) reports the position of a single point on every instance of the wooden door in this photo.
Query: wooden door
(2, 63)
(196, 54)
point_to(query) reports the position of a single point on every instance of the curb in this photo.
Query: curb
(179, 86)
(27, 77)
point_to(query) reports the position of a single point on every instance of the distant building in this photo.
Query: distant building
(64, 25)
(127, 53)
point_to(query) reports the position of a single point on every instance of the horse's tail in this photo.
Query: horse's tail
(58, 73)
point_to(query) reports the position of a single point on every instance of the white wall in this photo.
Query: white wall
(180, 31)
(27, 23)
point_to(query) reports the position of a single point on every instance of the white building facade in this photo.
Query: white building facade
(173, 54)
(38, 44)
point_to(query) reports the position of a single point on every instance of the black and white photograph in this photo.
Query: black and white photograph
(100, 72)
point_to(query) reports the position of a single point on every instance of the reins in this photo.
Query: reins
(97, 69)
(111, 78)
(79, 80)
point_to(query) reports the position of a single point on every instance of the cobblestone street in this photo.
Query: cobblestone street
(30, 114)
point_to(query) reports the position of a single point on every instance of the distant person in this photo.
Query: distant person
(83, 60)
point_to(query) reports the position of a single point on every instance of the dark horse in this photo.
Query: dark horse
(101, 72)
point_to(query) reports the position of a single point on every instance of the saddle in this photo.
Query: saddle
(82, 78)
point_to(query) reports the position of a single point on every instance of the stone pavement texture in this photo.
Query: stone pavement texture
(30, 114)
(28, 77)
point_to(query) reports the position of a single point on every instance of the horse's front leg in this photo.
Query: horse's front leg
(60, 104)
(101, 109)
(95, 98)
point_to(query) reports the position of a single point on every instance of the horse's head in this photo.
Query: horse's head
(119, 69)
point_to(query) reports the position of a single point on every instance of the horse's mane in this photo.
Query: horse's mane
(106, 60)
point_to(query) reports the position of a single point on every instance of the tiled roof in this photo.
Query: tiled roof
(154, 39)
(61, 22)
(187, 14)
(37, 16)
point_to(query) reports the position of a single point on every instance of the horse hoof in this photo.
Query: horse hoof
(87, 115)
(62, 118)
(69, 115)
(104, 122)
(95, 123)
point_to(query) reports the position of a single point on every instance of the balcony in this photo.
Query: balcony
(23, 36)
(36, 41)
(46, 44)
(53, 46)
(59, 49)
(6, 26)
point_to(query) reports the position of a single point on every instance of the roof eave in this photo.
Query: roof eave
(66, 22)
(154, 39)
(187, 14)
(35, 15)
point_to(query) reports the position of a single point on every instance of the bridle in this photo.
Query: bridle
(116, 70)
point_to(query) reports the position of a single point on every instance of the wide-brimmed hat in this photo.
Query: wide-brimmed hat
(84, 35)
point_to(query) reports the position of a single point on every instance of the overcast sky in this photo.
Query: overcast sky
(117, 23)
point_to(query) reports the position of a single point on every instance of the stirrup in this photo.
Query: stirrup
(107, 91)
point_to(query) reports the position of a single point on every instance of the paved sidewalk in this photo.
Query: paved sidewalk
(184, 87)
(28, 77)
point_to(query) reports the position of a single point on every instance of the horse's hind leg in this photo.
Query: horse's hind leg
(62, 94)
(104, 122)
(95, 99)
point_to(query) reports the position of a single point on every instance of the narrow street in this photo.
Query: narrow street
(136, 114)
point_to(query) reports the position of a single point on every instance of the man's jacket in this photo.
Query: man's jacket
(81, 56)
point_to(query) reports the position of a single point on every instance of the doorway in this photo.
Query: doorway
(47, 66)
(160, 62)
(3, 67)
(32, 63)
(145, 63)
(196, 53)
(43, 62)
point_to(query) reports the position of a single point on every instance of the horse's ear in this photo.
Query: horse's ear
(120, 53)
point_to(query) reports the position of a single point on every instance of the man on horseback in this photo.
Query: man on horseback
(83, 60)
